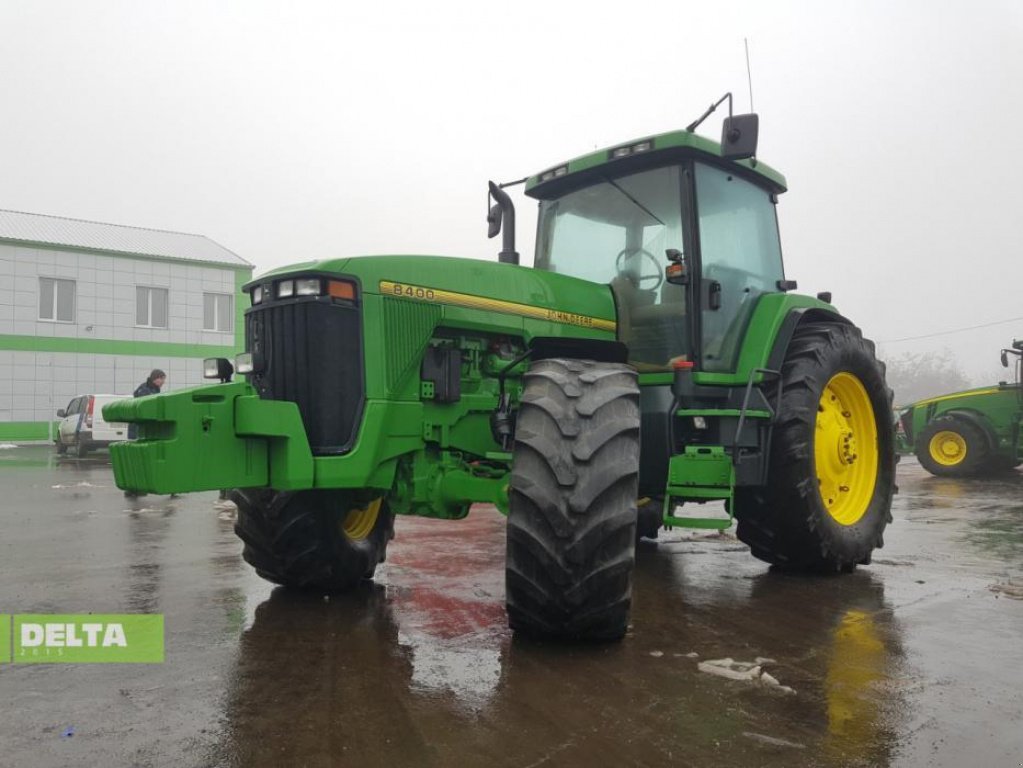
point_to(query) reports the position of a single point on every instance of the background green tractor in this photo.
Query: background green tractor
(970, 433)
(653, 357)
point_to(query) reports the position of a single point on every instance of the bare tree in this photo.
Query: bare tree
(918, 375)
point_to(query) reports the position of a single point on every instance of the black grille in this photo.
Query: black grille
(312, 355)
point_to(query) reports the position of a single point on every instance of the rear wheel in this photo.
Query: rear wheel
(572, 500)
(61, 448)
(832, 463)
(953, 447)
(324, 540)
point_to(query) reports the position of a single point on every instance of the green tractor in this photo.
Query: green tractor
(970, 433)
(653, 358)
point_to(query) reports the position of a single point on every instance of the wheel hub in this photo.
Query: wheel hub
(359, 523)
(845, 448)
(948, 448)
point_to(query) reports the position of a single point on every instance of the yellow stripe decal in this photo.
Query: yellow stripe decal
(990, 391)
(437, 296)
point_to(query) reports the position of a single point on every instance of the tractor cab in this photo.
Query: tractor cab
(686, 238)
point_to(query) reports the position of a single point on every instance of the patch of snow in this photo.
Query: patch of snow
(744, 671)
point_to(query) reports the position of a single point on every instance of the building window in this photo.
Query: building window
(218, 312)
(56, 300)
(150, 307)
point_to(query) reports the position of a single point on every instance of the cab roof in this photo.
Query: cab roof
(643, 153)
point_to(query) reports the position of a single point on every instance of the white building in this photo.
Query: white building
(90, 308)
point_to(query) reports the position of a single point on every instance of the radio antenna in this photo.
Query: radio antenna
(749, 74)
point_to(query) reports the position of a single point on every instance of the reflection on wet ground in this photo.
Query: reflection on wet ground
(913, 660)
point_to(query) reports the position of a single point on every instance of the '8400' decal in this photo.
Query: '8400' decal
(422, 293)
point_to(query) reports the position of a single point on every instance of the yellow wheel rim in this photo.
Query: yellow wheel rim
(947, 448)
(845, 448)
(358, 523)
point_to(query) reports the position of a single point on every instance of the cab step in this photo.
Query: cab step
(700, 473)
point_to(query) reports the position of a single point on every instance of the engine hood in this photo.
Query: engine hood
(483, 285)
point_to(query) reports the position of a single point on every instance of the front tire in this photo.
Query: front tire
(81, 449)
(953, 447)
(323, 540)
(832, 464)
(572, 501)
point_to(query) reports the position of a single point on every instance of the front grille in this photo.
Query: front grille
(312, 355)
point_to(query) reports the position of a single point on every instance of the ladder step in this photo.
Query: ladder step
(711, 523)
(750, 414)
(704, 493)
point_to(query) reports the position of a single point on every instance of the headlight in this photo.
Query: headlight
(308, 287)
(257, 294)
(285, 289)
(248, 362)
(217, 368)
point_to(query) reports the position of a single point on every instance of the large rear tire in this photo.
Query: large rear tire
(832, 464)
(572, 501)
(323, 540)
(953, 447)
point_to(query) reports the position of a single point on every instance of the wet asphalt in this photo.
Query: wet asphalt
(914, 660)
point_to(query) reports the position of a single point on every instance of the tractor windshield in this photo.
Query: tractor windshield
(616, 232)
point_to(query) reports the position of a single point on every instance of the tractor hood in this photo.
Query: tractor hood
(965, 394)
(500, 289)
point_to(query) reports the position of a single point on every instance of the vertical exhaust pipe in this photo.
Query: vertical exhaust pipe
(502, 219)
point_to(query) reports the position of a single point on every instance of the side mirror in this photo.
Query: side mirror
(739, 136)
(62, 413)
(494, 220)
(1005, 358)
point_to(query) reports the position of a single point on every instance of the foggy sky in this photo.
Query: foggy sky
(289, 131)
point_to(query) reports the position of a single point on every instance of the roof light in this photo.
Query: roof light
(285, 289)
(643, 146)
(309, 286)
(554, 173)
(620, 152)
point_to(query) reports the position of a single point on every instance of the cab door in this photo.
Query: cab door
(740, 260)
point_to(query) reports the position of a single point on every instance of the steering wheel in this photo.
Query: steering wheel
(658, 274)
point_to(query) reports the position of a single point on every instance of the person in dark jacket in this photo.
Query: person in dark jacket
(150, 386)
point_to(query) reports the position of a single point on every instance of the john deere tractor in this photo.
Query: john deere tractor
(653, 359)
(971, 433)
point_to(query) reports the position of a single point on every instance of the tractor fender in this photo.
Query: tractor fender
(795, 317)
(978, 420)
(600, 350)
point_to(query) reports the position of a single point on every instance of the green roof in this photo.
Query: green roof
(679, 141)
